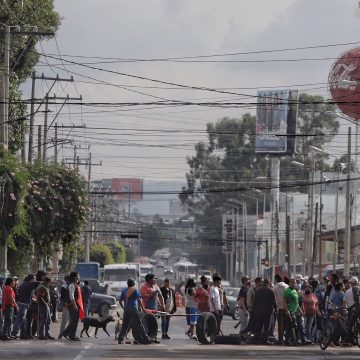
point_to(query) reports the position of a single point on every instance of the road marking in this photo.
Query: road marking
(82, 353)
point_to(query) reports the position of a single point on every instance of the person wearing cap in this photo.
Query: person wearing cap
(329, 293)
(215, 300)
(130, 299)
(352, 302)
(242, 297)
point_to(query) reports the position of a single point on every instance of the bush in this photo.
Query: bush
(102, 254)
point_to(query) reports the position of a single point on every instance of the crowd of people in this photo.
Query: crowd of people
(28, 309)
(300, 307)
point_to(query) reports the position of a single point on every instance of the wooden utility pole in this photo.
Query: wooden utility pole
(313, 260)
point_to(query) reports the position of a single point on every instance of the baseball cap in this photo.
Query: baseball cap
(354, 280)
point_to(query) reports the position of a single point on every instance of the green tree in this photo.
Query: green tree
(23, 53)
(152, 239)
(56, 207)
(226, 167)
(118, 251)
(101, 253)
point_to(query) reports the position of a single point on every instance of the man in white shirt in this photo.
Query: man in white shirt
(215, 301)
(281, 312)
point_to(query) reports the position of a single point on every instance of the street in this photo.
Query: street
(179, 347)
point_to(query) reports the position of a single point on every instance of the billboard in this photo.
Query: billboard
(127, 189)
(272, 121)
(228, 233)
(344, 83)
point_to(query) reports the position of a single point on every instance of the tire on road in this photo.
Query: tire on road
(150, 325)
(104, 310)
(228, 340)
(206, 328)
(326, 336)
(236, 314)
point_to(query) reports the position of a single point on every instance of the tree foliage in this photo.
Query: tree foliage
(23, 53)
(101, 253)
(226, 166)
(118, 251)
(56, 206)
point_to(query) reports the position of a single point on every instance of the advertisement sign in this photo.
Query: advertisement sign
(272, 121)
(228, 233)
(344, 83)
(127, 189)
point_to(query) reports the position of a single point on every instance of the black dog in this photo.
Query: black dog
(97, 323)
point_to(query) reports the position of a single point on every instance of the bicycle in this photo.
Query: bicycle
(337, 323)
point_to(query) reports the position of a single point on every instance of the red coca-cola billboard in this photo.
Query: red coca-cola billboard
(344, 83)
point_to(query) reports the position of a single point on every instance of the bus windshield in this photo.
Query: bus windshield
(119, 274)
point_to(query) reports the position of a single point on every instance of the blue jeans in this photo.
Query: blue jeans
(44, 320)
(165, 322)
(20, 322)
(309, 322)
(8, 314)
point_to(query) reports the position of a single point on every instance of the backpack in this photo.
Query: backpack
(64, 294)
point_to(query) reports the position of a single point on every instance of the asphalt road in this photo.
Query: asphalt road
(179, 347)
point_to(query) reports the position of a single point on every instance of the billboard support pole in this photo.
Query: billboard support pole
(275, 197)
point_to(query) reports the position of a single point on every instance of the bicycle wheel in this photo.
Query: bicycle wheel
(356, 334)
(326, 337)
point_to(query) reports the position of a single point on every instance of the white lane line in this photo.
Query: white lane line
(82, 353)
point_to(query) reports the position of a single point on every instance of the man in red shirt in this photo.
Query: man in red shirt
(202, 295)
(8, 305)
(151, 294)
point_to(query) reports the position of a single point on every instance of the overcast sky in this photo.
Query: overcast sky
(153, 29)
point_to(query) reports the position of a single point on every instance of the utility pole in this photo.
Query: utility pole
(87, 236)
(347, 240)
(45, 126)
(4, 108)
(39, 142)
(287, 231)
(313, 260)
(277, 246)
(34, 77)
(320, 225)
(55, 144)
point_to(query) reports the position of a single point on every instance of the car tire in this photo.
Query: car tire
(228, 340)
(236, 314)
(206, 328)
(150, 325)
(104, 310)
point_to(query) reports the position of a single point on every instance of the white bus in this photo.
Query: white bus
(185, 270)
(116, 276)
(144, 270)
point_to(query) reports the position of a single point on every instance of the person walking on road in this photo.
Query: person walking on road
(86, 293)
(190, 308)
(130, 299)
(71, 303)
(244, 314)
(168, 295)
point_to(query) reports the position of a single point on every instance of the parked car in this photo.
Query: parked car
(96, 287)
(100, 304)
(232, 309)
